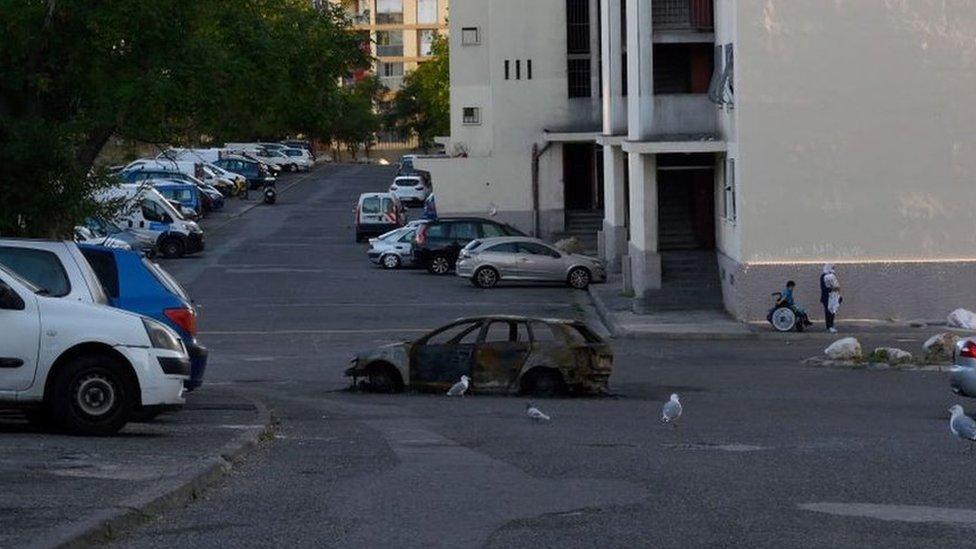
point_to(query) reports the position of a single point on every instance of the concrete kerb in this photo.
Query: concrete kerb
(128, 514)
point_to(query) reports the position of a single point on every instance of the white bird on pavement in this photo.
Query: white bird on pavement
(535, 414)
(459, 388)
(671, 410)
(961, 425)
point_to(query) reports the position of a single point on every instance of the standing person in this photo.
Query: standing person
(830, 295)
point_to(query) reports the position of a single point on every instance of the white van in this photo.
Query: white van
(378, 213)
(150, 215)
(86, 367)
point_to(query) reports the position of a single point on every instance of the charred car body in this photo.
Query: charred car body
(501, 354)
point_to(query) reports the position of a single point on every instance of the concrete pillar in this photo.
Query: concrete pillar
(611, 50)
(640, 70)
(642, 251)
(595, 56)
(613, 243)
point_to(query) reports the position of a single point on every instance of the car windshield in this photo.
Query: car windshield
(292, 152)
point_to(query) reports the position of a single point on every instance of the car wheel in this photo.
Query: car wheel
(93, 395)
(172, 248)
(485, 277)
(439, 265)
(545, 382)
(293, 168)
(384, 378)
(390, 261)
(579, 278)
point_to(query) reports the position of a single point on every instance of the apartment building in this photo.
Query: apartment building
(399, 32)
(727, 146)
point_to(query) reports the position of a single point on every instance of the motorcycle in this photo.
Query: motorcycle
(270, 194)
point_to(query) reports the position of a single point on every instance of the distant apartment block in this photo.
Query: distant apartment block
(399, 32)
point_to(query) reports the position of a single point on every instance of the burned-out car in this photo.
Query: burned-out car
(500, 354)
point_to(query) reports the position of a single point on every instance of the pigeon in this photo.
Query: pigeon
(671, 410)
(961, 425)
(535, 414)
(459, 388)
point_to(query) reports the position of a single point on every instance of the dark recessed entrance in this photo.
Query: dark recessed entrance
(583, 176)
(686, 202)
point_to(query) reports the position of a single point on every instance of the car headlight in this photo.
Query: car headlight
(162, 337)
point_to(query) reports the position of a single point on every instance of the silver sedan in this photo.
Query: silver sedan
(487, 261)
(962, 377)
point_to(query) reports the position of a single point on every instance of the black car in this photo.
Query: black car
(256, 174)
(438, 243)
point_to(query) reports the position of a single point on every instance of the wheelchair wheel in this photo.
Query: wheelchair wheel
(784, 319)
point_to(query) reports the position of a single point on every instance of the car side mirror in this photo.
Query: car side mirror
(9, 300)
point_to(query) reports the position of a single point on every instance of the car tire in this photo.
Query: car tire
(578, 278)
(93, 395)
(439, 265)
(485, 278)
(384, 378)
(545, 382)
(172, 248)
(390, 261)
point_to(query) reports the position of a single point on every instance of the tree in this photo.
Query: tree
(360, 122)
(422, 107)
(75, 73)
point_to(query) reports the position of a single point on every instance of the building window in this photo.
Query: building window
(427, 12)
(518, 69)
(470, 36)
(391, 75)
(425, 42)
(729, 206)
(389, 12)
(507, 67)
(528, 69)
(471, 116)
(578, 77)
(389, 44)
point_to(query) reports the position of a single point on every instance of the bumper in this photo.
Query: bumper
(198, 365)
(962, 380)
(464, 269)
(195, 243)
(157, 387)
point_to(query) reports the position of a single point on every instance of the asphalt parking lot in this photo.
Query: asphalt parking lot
(768, 453)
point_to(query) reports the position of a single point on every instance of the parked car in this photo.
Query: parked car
(410, 189)
(257, 174)
(438, 243)
(492, 260)
(394, 249)
(83, 234)
(301, 144)
(406, 167)
(187, 196)
(301, 159)
(198, 171)
(378, 213)
(105, 231)
(962, 376)
(150, 215)
(86, 367)
(500, 354)
(135, 284)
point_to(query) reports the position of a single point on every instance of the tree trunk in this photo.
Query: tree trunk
(93, 145)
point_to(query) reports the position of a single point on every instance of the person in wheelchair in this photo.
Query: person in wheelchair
(786, 300)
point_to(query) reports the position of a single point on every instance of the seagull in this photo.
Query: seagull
(961, 425)
(671, 410)
(535, 414)
(459, 388)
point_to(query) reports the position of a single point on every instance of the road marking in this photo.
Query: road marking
(896, 513)
(317, 332)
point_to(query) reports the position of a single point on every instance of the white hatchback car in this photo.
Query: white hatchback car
(410, 189)
(86, 368)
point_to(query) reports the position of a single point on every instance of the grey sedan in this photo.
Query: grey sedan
(491, 260)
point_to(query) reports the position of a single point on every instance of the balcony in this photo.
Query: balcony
(683, 15)
(684, 114)
(389, 50)
(361, 18)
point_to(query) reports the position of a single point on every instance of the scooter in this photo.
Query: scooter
(270, 194)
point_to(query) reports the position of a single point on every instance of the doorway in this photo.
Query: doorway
(686, 202)
(582, 177)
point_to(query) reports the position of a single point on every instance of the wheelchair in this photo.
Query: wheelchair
(785, 318)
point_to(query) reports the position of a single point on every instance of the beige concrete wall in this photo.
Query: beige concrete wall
(855, 129)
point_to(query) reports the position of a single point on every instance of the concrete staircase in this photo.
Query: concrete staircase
(675, 229)
(689, 282)
(583, 225)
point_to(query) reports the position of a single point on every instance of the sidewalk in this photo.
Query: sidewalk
(67, 490)
(616, 311)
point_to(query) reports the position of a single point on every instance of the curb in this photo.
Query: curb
(606, 316)
(109, 524)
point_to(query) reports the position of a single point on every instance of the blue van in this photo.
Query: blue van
(136, 284)
(185, 194)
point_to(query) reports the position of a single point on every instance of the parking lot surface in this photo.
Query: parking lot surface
(769, 453)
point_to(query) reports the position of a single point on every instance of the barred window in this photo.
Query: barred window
(578, 75)
(579, 69)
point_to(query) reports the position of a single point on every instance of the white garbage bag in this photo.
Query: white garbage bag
(848, 348)
(962, 318)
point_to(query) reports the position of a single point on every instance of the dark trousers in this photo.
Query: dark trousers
(829, 317)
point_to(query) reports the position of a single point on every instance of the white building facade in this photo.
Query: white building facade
(729, 145)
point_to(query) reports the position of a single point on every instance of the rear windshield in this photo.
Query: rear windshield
(293, 153)
(371, 205)
(165, 279)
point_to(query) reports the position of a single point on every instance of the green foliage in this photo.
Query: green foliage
(360, 122)
(74, 73)
(423, 106)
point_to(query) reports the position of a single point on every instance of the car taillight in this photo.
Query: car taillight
(356, 212)
(185, 318)
(968, 349)
(421, 237)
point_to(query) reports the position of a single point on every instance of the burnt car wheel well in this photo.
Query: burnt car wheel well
(543, 381)
(384, 377)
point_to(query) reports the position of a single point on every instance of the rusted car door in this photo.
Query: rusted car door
(440, 359)
(500, 354)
